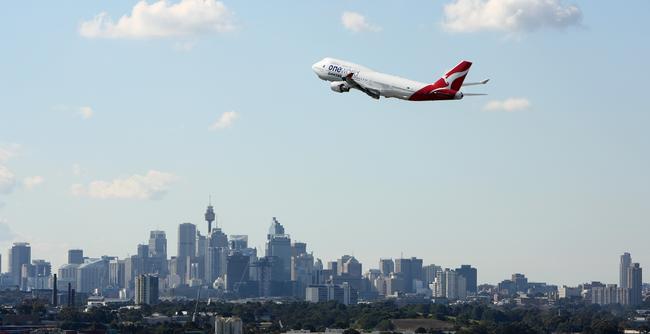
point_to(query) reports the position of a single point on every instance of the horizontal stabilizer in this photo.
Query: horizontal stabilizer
(482, 82)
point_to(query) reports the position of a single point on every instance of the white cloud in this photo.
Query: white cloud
(6, 233)
(509, 104)
(86, 112)
(7, 180)
(225, 120)
(153, 185)
(9, 151)
(511, 16)
(356, 22)
(32, 181)
(162, 19)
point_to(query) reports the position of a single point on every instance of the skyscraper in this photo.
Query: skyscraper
(19, 254)
(75, 256)
(158, 244)
(146, 289)
(469, 273)
(236, 270)
(278, 245)
(386, 266)
(634, 283)
(626, 261)
(411, 269)
(186, 249)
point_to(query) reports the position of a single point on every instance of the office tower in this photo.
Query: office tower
(318, 264)
(394, 284)
(217, 238)
(116, 273)
(186, 249)
(92, 275)
(342, 293)
(157, 261)
(386, 266)
(411, 269)
(470, 277)
(215, 263)
(278, 245)
(232, 325)
(143, 251)
(210, 216)
(158, 244)
(19, 254)
(333, 266)
(75, 256)
(626, 261)
(236, 270)
(238, 242)
(634, 283)
(520, 282)
(429, 273)
(298, 248)
(302, 271)
(352, 267)
(146, 289)
(340, 262)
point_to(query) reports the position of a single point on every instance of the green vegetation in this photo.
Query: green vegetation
(272, 317)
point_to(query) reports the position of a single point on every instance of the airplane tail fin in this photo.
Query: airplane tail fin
(454, 78)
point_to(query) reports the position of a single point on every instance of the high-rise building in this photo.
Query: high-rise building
(470, 277)
(231, 325)
(278, 245)
(19, 254)
(520, 282)
(429, 273)
(411, 270)
(186, 249)
(75, 256)
(626, 261)
(302, 270)
(236, 270)
(146, 289)
(92, 275)
(238, 242)
(116, 273)
(635, 283)
(352, 267)
(215, 263)
(143, 251)
(298, 248)
(158, 244)
(386, 266)
(210, 216)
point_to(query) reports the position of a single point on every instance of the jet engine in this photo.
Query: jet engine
(340, 86)
(458, 96)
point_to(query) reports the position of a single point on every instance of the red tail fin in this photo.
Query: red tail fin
(455, 77)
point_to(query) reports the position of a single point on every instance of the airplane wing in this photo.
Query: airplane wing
(482, 82)
(354, 84)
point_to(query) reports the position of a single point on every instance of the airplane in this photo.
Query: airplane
(344, 75)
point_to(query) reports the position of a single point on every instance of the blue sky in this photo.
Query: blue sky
(107, 132)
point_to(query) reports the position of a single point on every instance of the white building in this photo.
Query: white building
(231, 325)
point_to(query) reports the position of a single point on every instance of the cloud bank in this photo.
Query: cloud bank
(162, 19)
(512, 16)
(153, 185)
(356, 22)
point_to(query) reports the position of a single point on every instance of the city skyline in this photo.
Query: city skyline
(108, 132)
(194, 231)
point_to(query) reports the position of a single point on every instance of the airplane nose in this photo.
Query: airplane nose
(315, 67)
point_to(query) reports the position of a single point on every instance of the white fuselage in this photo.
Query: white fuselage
(335, 70)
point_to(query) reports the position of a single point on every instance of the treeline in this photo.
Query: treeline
(270, 317)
